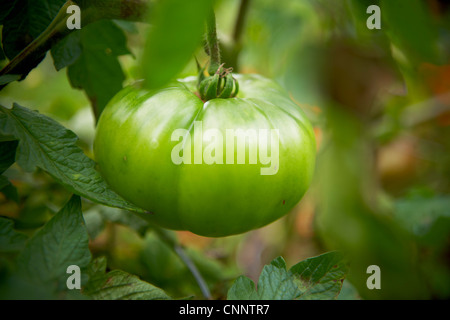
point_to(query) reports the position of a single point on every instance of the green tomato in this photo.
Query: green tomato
(218, 168)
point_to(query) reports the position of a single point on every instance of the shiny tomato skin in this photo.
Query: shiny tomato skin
(134, 150)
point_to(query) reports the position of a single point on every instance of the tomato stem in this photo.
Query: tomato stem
(213, 43)
(220, 82)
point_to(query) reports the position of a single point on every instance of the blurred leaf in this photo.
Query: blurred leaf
(314, 278)
(175, 277)
(320, 277)
(410, 27)
(348, 292)
(429, 219)
(10, 240)
(434, 249)
(418, 214)
(97, 216)
(350, 220)
(119, 285)
(97, 70)
(156, 253)
(125, 218)
(8, 189)
(176, 31)
(95, 223)
(46, 144)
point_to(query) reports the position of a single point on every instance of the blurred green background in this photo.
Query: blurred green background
(379, 101)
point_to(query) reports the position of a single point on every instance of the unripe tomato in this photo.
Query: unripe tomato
(218, 168)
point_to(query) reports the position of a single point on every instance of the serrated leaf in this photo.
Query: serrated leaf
(44, 143)
(119, 285)
(274, 283)
(177, 29)
(321, 277)
(62, 242)
(243, 289)
(97, 70)
(314, 278)
(10, 240)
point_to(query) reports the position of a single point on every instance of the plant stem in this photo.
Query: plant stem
(179, 250)
(212, 43)
(191, 266)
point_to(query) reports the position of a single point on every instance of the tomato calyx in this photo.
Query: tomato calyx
(221, 84)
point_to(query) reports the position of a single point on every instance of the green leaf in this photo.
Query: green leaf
(95, 223)
(320, 277)
(5, 8)
(62, 242)
(243, 289)
(67, 51)
(25, 21)
(97, 216)
(315, 278)
(7, 78)
(46, 144)
(348, 292)
(119, 285)
(7, 154)
(410, 27)
(275, 283)
(418, 214)
(97, 70)
(10, 240)
(176, 32)
(122, 217)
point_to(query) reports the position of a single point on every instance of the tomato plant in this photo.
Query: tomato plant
(162, 150)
